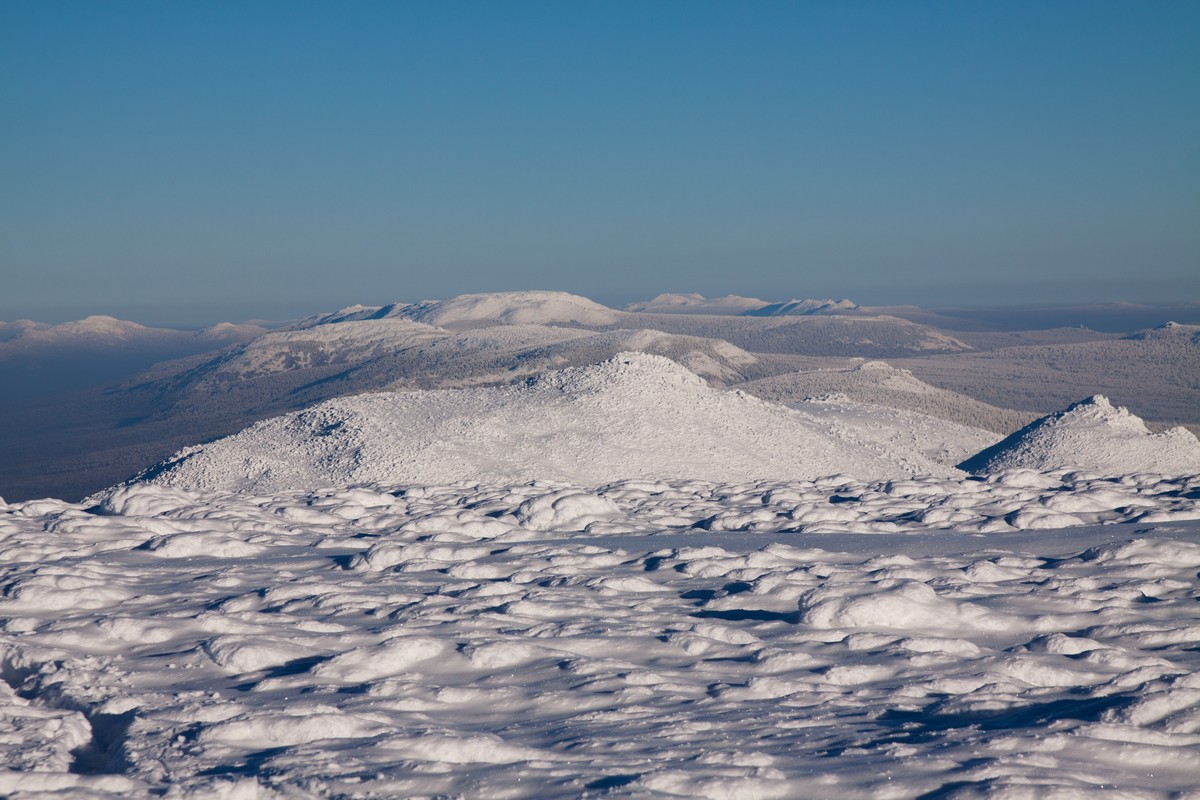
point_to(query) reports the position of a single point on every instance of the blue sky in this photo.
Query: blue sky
(186, 161)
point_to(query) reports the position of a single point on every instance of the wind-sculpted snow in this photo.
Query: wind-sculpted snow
(633, 416)
(548, 640)
(1094, 435)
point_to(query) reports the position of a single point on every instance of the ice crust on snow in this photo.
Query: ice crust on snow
(426, 640)
(1092, 435)
(633, 416)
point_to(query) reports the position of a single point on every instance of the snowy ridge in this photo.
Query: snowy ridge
(1092, 435)
(633, 416)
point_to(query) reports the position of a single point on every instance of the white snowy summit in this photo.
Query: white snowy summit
(633, 416)
(1092, 435)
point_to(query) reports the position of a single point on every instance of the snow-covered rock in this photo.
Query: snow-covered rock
(1092, 435)
(633, 416)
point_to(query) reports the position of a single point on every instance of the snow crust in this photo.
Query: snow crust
(633, 416)
(553, 641)
(1093, 435)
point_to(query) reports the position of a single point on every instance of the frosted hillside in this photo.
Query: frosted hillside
(879, 383)
(896, 430)
(634, 416)
(1092, 435)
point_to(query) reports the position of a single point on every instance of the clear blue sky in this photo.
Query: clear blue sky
(169, 160)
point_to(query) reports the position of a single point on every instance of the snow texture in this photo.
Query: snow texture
(1092, 435)
(551, 641)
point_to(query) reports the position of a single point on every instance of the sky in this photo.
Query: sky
(185, 162)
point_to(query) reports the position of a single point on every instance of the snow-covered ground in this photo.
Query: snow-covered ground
(543, 641)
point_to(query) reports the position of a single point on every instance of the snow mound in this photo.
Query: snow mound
(1092, 435)
(632, 416)
(511, 308)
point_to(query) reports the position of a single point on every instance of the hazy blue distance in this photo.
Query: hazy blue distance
(183, 161)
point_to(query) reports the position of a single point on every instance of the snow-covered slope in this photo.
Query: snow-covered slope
(879, 383)
(634, 416)
(1096, 436)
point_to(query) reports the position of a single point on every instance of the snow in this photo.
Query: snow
(633, 416)
(547, 640)
(1093, 435)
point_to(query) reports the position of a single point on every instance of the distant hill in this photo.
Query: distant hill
(692, 303)
(37, 359)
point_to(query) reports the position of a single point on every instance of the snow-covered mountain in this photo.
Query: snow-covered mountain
(1096, 436)
(28, 338)
(37, 359)
(694, 303)
(634, 416)
(491, 308)
(802, 308)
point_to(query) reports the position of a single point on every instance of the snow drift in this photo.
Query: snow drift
(633, 416)
(1092, 435)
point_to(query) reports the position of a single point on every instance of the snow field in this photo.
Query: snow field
(544, 640)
